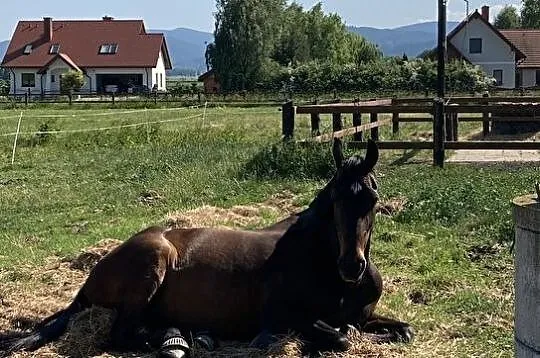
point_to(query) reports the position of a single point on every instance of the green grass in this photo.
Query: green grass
(446, 255)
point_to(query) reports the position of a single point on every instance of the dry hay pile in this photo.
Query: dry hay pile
(30, 294)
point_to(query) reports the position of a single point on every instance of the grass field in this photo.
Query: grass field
(444, 252)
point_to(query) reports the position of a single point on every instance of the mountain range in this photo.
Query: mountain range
(187, 46)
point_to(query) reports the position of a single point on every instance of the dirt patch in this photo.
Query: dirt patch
(392, 206)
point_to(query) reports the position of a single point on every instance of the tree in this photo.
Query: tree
(508, 18)
(530, 14)
(245, 34)
(4, 87)
(71, 81)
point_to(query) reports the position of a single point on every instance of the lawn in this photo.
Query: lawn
(444, 250)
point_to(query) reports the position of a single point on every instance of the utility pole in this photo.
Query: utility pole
(438, 122)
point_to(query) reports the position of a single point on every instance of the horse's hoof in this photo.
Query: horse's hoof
(263, 340)
(342, 344)
(175, 347)
(405, 334)
(206, 342)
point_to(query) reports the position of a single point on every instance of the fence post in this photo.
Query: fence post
(395, 119)
(287, 120)
(455, 125)
(113, 98)
(26, 98)
(373, 117)
(357, 121)
(315, 123)
(449, 126)
(485, 116)
(438, 132)
(337, 121)
(155, 97)
(526, 213)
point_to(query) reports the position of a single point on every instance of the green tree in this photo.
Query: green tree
(4, 87)
(245, 34)
(71, 81)
(530, 14)
(508, 18)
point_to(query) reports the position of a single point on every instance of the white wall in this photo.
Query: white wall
(16, 84)
(159, 74)
(496, 53)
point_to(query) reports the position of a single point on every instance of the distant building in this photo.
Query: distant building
(511, 57)
(113, 55)
(210, 82)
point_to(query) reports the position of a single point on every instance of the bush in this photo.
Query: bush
(71, 81)
(4, 87)
(290, 160)
(389, 74)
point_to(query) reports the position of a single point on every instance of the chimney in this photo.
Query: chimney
(485, 12)
(48, 28)
(107, 18)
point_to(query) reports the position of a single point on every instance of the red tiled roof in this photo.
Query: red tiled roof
(528, 41)
(81, 41)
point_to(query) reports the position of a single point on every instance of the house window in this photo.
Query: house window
(161, 80)
(498, 76)
(28, 80)
(53, 78)
(475, 45)
(157, 79)
(108, 49)
(538, 77)
(55, 48)
(28, 49)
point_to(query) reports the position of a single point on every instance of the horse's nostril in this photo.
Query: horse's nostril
(351, 269)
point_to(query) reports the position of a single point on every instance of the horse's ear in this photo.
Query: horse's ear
(337, 151)
(372, 155)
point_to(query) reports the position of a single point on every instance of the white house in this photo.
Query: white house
(477, 41)
(112, 54)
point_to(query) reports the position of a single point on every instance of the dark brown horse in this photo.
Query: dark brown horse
(311, 273)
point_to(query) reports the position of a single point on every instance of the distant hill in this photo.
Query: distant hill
(3, 48)
(410, 40)
(187, 46)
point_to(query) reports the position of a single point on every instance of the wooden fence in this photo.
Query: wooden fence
(459, 109)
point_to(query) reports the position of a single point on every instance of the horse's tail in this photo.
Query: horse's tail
(45, 332)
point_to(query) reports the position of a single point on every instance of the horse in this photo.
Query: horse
(311, 274)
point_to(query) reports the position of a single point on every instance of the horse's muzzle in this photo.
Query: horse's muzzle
(351, 271)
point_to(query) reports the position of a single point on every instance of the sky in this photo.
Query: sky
(198, 14)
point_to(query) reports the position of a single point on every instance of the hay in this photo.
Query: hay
(241, 216)
(392, 207)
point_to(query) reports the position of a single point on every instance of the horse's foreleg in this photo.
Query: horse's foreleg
(386, 330)
(128, 332)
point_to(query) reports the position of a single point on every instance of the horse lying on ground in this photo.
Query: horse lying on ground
(311, 274)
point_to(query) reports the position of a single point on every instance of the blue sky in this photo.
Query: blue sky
(198, 14)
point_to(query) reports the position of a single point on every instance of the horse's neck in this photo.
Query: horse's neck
(309, 234)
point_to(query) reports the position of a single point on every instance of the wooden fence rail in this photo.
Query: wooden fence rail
(486, 110)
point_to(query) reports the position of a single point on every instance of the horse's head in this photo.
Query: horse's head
(354, 196)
